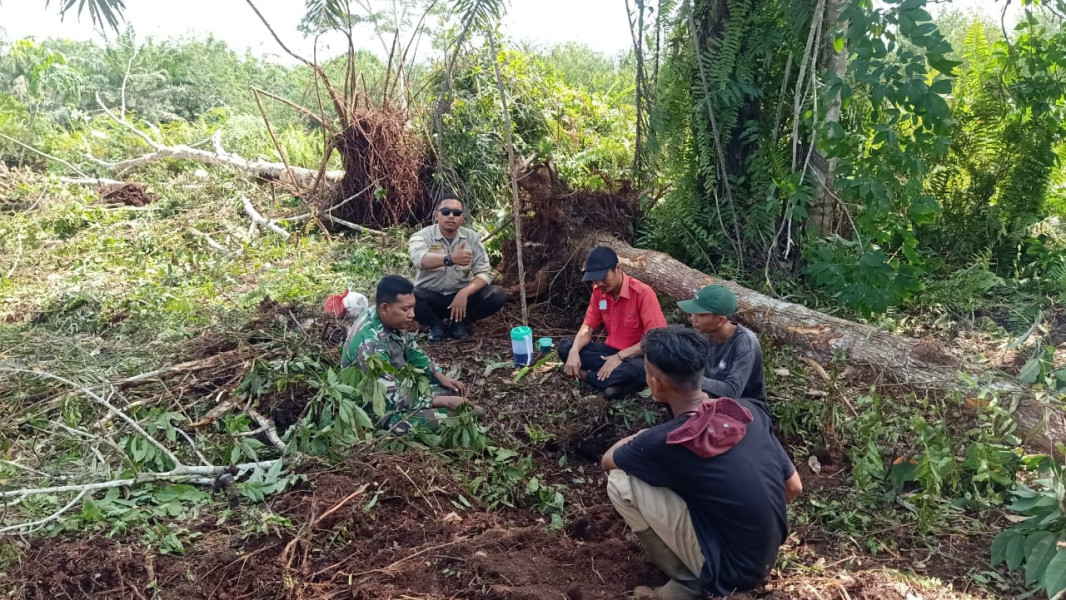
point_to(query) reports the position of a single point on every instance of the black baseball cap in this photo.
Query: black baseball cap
(600, 260)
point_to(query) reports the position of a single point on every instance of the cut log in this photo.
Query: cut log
(917, 364)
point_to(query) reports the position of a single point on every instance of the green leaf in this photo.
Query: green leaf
(91, 511)
(503, 454)
(172, 508)
(181, 492)
(920, 14)
(100, 11)
(838, 45)
(361, 418)
(924, 210)
(941, 86)
(942, 64)
(139, 449)
(493, 367)
(1055, 575)
(1026, 505)
(378, 402)
(1031, 371)
(1015, 552)
(373, 501)
(275, 471)
(345, 413)
(1040, 548)
(1024, 491)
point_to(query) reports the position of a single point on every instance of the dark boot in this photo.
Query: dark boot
(617, 392)
(460, 331)
(683, 584)
(436, 333)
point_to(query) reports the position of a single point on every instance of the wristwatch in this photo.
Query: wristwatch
(448, 260)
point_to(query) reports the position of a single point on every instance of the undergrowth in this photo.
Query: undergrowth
(103, 292)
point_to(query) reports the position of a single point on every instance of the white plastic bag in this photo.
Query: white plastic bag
(355, 303)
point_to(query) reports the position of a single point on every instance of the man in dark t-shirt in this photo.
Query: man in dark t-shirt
(734, 363)
(704, 493)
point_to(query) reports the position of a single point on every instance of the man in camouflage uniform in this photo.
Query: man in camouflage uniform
(385, 331)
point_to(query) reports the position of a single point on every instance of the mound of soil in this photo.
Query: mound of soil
(129, 194)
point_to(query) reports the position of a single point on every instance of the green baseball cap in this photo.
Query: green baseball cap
(716, 299)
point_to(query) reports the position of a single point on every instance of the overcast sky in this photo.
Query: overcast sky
(600, 24)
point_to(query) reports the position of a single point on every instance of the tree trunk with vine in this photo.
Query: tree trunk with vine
(636, 28)
(821, 218)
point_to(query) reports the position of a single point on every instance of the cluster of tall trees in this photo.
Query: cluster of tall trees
(860, 144)
(864, 148)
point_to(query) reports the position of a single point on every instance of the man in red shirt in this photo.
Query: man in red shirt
(628, 309)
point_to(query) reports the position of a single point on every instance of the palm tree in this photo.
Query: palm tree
(100, 11)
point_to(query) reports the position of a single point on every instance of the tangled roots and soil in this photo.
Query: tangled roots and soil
(129, 194)
(553, 216)
(382, 162)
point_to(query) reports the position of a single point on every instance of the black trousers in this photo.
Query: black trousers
(431, 308)
(629, 373)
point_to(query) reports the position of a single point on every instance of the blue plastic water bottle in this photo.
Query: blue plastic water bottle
(522, 346)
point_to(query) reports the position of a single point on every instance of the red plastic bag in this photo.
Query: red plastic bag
(335, 304)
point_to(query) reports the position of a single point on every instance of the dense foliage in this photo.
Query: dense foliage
(864, 156)
(939, 155)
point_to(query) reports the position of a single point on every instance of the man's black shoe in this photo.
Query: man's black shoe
(617, 392)
(460, 331)
(436, 334)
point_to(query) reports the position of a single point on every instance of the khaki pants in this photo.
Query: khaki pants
(644, 506)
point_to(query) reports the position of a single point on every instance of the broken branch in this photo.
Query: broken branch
(307, 113)
(212, 243)
(49, 156)
(259, 219)
(23, 528)
(103, 402)
(354, 226)
(185, 473)
(144, 136)
(269, 428)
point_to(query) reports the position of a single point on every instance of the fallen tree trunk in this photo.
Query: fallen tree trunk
(918, 364)
(377, 151)
(301, 177)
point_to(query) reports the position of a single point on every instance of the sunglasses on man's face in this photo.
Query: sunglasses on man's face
(451, 211)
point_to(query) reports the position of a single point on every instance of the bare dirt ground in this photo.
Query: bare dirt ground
(404, 536)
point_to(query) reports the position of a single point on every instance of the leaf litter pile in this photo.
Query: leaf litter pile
(387, 524)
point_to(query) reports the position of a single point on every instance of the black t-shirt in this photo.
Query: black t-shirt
(734, 368)
(736, 499)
